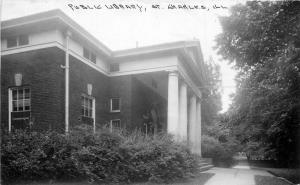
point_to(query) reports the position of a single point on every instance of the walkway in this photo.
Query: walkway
(242, 175)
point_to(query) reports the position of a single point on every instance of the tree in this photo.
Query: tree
(262, 39)
(211, 100)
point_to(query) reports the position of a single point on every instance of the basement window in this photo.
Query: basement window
(19, 40)
(115, 105)
(115, 124)
(89, 55)
(114, 67)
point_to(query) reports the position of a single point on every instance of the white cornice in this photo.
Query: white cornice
(153, 49)
(30, 48)
(148, 70)
(59, 15)
(178, 67)
(189, 81)
(175, 48)
(49, 45)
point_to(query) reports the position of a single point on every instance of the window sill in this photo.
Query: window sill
(115, 111)
(87, 117)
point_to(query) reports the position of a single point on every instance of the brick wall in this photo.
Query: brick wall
(121, 87)
(80, 75)
(42, 73)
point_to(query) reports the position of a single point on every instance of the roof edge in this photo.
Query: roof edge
(155, 48)
(52, 14)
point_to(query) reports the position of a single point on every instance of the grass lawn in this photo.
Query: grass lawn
(292, 175)
(266, 180)
(200, 179)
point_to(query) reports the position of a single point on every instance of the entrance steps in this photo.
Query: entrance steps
(205, 164)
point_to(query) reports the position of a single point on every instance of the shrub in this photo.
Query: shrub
(221, 153)
(100, 159)
(158, 158)
(32, 155)
(103, 156)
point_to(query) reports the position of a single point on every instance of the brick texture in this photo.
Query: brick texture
(80, 75)
(121, 87)
(42, 73)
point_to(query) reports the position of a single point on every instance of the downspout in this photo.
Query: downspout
(67, 69)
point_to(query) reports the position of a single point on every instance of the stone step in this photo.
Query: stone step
(203, 163)
(205, 167)
(207, 160)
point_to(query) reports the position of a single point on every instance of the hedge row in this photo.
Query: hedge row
(102, 157)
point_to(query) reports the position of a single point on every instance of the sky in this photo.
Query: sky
(130, 28)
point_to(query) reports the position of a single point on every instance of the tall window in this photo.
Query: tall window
(87, 106)
(115, 105)
(89, 55)
(21, 99)
(19, 107)
(19, 40)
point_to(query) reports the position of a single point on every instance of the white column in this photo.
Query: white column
(192, 122)
(94, 115)
(67, 68)
(9, 108)
(182, 127)
(173, 103)
(198, 129)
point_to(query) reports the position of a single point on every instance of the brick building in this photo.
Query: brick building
(55, 75)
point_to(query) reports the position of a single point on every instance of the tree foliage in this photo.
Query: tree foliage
(262, 39)
(211, 100)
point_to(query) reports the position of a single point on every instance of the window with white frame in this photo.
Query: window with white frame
(21, 99)
(19, 40)
(19, 108)
(115, 105)
(115, 123)
(87, 106)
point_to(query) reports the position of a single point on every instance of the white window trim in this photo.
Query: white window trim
(10, 105)
(119, 110)
(93, 105)
(9, 108)
(22, 99)
(93, 111)
(111, 125)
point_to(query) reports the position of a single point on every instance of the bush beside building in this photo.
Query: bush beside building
(103, 157)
